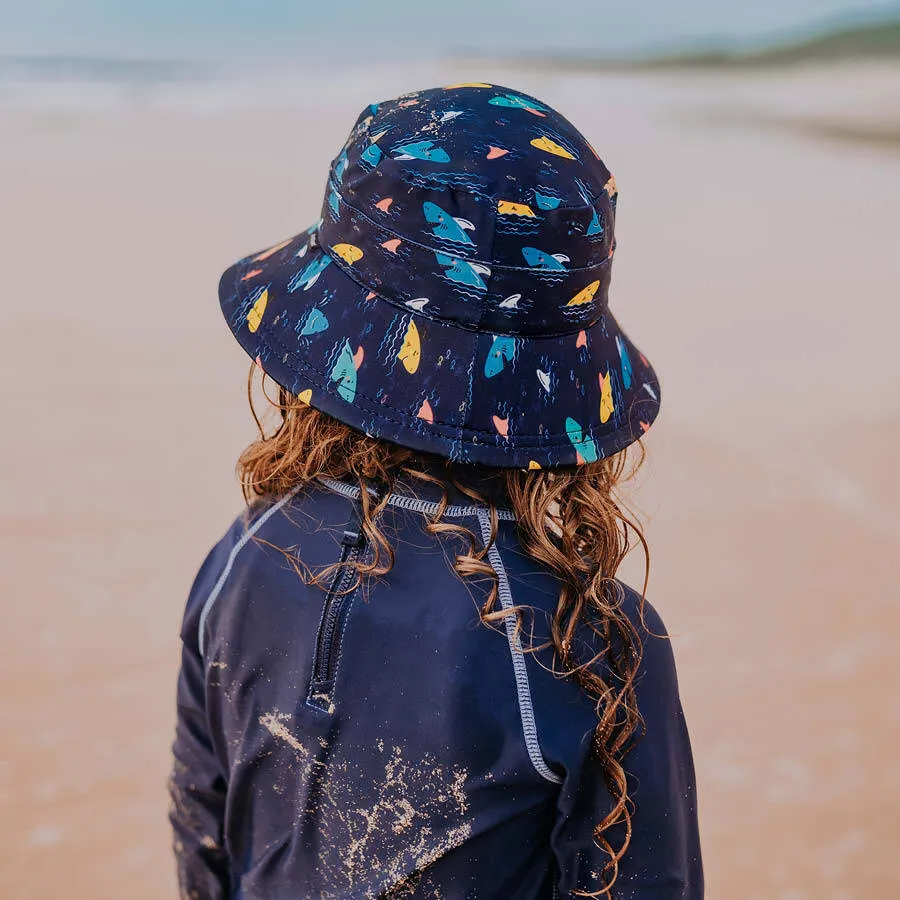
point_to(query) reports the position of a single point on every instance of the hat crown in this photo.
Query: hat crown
(474, 204)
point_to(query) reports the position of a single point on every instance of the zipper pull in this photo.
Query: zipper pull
(353, 534)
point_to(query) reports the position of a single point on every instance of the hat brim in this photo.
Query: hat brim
(395, 373)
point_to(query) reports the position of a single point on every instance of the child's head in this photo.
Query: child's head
(451, 303)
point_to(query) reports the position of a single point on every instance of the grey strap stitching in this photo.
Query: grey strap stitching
(245, 538)
(413, 503)
(523, 688)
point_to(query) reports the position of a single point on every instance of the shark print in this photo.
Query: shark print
(545, 201)
(625, 360)
(607, 408)
(503, 350)
(309, 275)
(344, 370)
(348, 253)
(316, 321)
(340, 167)
(254, 317)
(585, 295)
(550, 146)
(551, 262)
(463, 271)
(514, 101)
(450, 228)
(334, 202)
(509, 208)
(411, 351)
(422, 150)
(271, 251)
(372, 155)
(585, 448)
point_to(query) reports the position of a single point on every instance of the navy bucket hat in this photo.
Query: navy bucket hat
(452, 298)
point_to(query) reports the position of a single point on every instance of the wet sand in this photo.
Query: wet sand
(758, 268)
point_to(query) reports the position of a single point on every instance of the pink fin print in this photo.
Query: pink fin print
(581, 341)
(425, 412)
(271, 251)
(502, 426)
(392, 245)
(252, 274)
(259, 365)
(645, 426)
(496, 152)
(384, 204)
(371, 295)
(358, 357)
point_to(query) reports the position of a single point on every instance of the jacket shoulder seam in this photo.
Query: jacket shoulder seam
(245, 539)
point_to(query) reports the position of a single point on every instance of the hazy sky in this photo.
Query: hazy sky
(383, 27)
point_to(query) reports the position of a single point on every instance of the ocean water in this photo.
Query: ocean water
(99, 55)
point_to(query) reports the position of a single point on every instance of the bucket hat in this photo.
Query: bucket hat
(453, 296)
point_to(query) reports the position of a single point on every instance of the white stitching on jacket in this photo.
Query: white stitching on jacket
(523, 688)
(245, 538)
(413, 503)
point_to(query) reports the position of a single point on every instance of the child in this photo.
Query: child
(408, 670)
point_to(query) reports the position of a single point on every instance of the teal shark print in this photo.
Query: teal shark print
(344, 373)
(502, 351)
(309, 275)
(537, 259)
(583, 444)
(463, 272)
(315, 322)
(514, 101)
(424, 150)
(448, 227)
(626, 362)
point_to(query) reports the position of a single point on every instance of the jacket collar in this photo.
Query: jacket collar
(488, 483)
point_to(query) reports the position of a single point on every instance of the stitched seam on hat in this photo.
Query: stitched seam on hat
(491, 276)
(490, 265)
(351, 273)
(377, 408)
(591, 200)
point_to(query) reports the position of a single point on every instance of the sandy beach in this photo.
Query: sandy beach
(757, 260)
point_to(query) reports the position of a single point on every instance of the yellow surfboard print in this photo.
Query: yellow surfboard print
(584, 296)
(254, 317)
(411, 351)
(349, 253)
(508, 208)
(545, 144)
(606, 398)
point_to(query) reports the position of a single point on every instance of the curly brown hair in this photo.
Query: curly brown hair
(570, 521)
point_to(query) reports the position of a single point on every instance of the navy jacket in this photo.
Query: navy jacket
(384, 743)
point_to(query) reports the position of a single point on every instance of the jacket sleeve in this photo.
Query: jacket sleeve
(197, 786)
(663, 860)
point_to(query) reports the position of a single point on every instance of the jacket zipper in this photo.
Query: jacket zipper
(334, 613)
